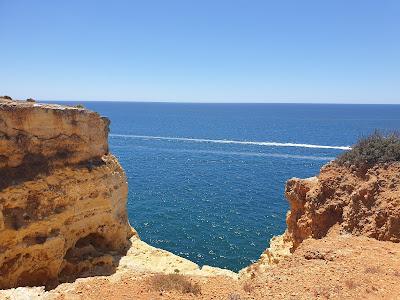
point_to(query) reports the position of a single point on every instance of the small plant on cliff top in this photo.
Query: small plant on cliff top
(177, 282)
(374, 149)
(234, 297)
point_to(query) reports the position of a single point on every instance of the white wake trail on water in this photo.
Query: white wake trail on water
(256, 154)
(267, 144)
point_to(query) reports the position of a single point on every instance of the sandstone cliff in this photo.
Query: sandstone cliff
(341, 200)
(62, 195)
(35, 137)
(362, 203)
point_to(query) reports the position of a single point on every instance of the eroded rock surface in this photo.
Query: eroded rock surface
(353, 202)
(35, 137)
(62, 195)
(365, 204)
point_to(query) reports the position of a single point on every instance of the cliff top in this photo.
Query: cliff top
(35, 137)
(376, 148)
(7, 103)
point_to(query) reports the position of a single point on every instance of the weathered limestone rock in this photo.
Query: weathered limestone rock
(278, 250)
(62, 196)
(143, 258)
(35, 137)
(342, 199)
(363, 204)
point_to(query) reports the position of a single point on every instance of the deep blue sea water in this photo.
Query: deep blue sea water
(207, 196)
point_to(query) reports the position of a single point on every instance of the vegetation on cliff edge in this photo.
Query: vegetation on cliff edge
(374, 149)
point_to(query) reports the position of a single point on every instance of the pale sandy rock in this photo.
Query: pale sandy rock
(33, 133)
(23, 293)
(54, 231)
(209, 271)
(278, 250)
(61, 216)
(143, 258)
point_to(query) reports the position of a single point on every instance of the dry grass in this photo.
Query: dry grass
(372, 269)
(248, 287)
(234, 297)
(177, 282)
(350, 284)
(322, 293)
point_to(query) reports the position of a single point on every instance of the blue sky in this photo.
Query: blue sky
(201, 51)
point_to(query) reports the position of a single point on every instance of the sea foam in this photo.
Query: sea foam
(267, 144)
(239, 153)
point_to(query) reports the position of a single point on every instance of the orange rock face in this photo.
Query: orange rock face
(345, 199)
(62, 195)
(365, 204)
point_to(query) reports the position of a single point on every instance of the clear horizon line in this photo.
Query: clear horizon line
(217, 102)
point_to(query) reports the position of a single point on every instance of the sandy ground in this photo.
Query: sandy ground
(336, 267)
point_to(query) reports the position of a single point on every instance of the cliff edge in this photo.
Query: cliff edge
(62, 195)
(342, 238)
(361, 203)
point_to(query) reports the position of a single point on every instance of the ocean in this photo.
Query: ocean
(206, 181)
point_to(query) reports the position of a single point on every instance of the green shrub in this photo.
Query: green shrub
(374, 149)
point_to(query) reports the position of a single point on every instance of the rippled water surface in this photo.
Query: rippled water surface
(206, 181)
